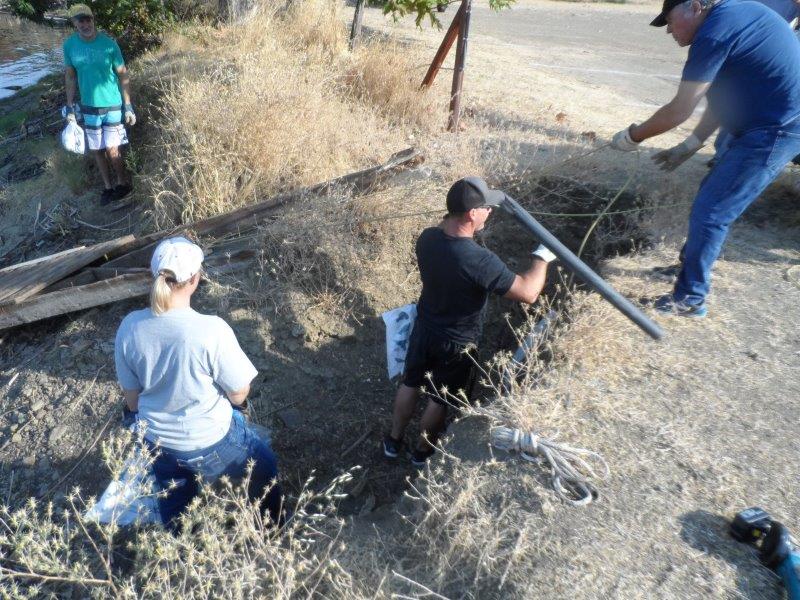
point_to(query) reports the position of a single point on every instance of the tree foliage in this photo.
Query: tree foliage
(426, 9)
(135, 23)
(30, 9)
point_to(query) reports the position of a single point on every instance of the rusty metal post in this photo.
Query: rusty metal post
(444, 48)
(458, 72)
(355, 31)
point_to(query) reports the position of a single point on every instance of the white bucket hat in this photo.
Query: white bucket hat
(178, 255)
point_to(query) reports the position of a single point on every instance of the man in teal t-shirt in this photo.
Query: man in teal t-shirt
(94, 61)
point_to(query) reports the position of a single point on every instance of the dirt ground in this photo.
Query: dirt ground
(694, 427)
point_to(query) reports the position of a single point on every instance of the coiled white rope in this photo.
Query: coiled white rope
(570, 468)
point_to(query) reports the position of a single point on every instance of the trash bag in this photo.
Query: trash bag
(73, 139)
(129, 499)
(399, 323)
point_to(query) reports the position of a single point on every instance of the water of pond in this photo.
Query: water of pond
(28, 52)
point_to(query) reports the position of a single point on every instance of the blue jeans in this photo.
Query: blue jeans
(228, 457)
(743, 170)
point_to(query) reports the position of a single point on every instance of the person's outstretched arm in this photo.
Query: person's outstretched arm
(672, 114)
(528, 285)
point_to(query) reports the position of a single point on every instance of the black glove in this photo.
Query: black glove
(128, 416)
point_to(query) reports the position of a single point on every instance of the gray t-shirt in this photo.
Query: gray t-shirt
(182, 363)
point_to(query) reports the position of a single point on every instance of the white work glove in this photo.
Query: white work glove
(130, 116)
(622, 141)
(544, 253)
(68, 112)
(669, 160)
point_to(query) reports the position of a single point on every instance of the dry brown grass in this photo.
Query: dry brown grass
(273, 104)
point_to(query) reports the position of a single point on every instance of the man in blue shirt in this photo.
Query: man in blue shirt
(789, 10)
(745, 60)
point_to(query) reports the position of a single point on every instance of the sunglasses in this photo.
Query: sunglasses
(85, 19)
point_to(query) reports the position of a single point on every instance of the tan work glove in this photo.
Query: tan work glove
(669, 160)
(130, 116)
(623, 142)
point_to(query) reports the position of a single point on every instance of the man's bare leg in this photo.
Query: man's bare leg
(115, 158)
(404, 404)
(431, 425)
(102, 166)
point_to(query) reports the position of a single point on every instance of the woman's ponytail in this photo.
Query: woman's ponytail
(161, 292)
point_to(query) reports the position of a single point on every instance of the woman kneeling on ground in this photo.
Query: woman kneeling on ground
(184, 372)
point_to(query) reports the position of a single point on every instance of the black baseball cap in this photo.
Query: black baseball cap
(661, 19)
(472, 192)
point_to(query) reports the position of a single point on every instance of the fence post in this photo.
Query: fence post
(444, 48)
(355, 31)
(458, 72)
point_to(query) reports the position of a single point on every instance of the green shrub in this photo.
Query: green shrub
(136, 24)
(30, 9)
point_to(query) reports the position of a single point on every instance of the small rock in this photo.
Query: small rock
(291, 418)
(752, 354)
(13, 427)
(16, 438)
(29, 461)
(298, 331)
(37, 405)
(369, 505)
(80, 345)
(56, 434)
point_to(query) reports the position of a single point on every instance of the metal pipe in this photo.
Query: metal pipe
(579, 268)
(529, 343)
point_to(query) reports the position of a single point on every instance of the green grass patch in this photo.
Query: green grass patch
(10, 122)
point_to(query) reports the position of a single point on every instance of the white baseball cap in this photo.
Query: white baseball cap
(178, 255)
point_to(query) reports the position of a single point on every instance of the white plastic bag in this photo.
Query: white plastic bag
(399, 323)
(73, 139)
(123, 501)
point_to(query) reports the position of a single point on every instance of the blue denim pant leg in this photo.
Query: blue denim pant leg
(751, 162)
(722, 142)
(229, 457)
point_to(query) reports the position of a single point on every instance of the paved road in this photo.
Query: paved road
(610, 45)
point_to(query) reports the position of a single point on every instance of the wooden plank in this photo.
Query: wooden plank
(98, 293)
(18, 286)
(76, 298)
(80, 278)
(137, 253)
(37, 261)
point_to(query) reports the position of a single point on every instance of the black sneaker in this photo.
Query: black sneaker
(107, 197)
(420, 457)
(121, 191)
(391, 447)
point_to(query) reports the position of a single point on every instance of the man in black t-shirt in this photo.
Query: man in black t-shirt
(457, 276)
